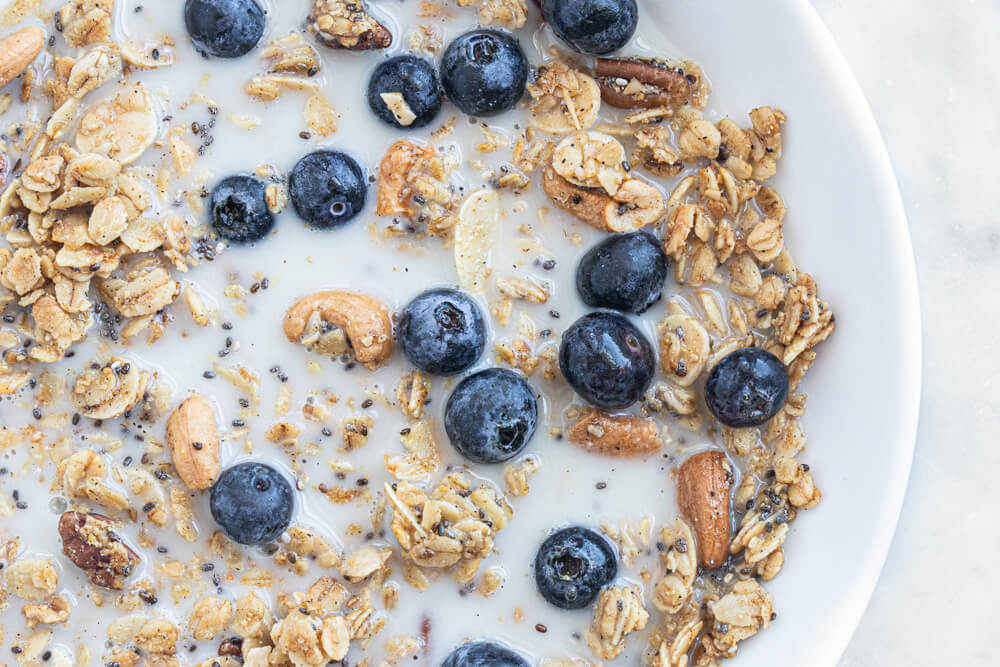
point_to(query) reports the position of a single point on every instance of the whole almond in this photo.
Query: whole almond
(17, 50)
(625, 436)
(703, 498)
(193, 438)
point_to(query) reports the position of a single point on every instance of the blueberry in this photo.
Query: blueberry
(327, 188)
(491, 415)
(483, 654)
(747, 387)
(595, 27)
(624, 272)
(484, 72)
(252, 503)
(442, 331)
(608, 361)
(412, 77)
(224, 28)
(573, 565)
(239, 209)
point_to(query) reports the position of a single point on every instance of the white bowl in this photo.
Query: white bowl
(846, 226)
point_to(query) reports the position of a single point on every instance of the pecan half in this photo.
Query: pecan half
(624, 436)
(629, 83)
(89, 541)
(703, 498)
(346, 24)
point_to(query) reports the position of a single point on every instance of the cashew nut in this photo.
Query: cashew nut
(640, 203)
(364, 321)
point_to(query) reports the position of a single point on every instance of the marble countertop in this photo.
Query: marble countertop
(931, 72)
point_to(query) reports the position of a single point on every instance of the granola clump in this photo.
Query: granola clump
(454, 525)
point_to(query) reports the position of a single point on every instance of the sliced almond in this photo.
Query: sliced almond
(475, 237)
(703, 483)
(193, 438)
(624, 436)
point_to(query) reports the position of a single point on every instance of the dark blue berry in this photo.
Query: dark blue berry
(415, 79)
(491, 415)
(573, 565)
(327, 188)
(483, 654)
(484, 72)
(623, 272)
(252, 503)
(608, 361)
(224, 28)
(595, 27)
(747, 387)
(239, 209)
(442, 331)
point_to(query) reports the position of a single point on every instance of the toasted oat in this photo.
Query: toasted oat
(56, 610)
(363, 563)
(109, 390)
(516, 476)
(422, 458)
(738, 615)
(209, 617)
(31, 578)
(617, 614)
(411, 393)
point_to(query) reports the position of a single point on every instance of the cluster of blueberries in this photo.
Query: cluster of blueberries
(482, 72)
(491, 414)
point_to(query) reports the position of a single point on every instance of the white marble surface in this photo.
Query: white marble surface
(931, 72)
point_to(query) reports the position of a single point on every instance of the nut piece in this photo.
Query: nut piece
(636, 204)
(364, 321)
(193, 438)
(89, 541)
(703, 498)
(475, 239)
(623, 436)
(630, 83)
(346, 24)
(17, 50)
